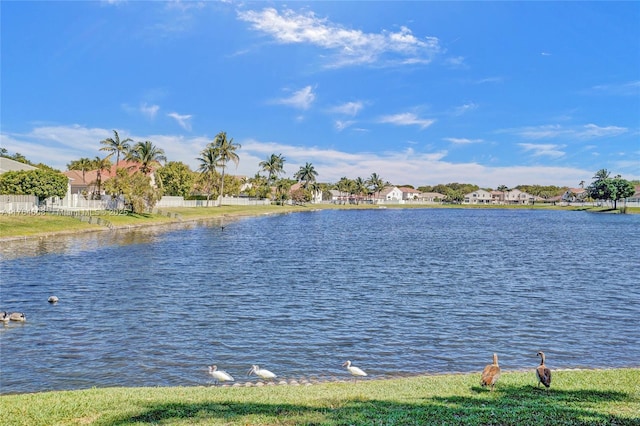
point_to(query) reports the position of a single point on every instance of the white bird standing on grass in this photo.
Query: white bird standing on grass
(261, 372)
(355, 371)
(219, 375)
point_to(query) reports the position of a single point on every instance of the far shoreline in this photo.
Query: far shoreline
(206, 214)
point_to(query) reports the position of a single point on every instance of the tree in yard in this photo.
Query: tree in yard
(226, 151)
(607, 188)
(100, 165)
(283, 186)
(623, 189)
(84, 165)
(177, 179)
(147, 155)
(209, 160)
(41, 183)
(306, 175)
(116, 146)
(136, 189)
(273, 166)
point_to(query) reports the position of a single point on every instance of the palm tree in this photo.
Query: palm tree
(147, 155)
(503, 189)
(226, 152)
(360, 188)
(100, 164)
(376, 183)
(273, 166)
(116, 146)
(306, 175)
(84, 165)
(209, 160)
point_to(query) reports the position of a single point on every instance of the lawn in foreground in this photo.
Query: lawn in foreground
(577, 397)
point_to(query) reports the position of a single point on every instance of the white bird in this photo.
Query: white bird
(355, 371)
(53, 299)
(261, 372)
(219, 375)
(4, 316)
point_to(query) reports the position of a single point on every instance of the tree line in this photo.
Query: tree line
(141, 189)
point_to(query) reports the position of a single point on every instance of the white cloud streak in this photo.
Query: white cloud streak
(588, 131)
(301, 99)
(58, 145)
(546, 150)
(183, 120)
(350, 47)
(406, 119)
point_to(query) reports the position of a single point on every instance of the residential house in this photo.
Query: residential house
(515, 196)
(316, 196)
(9, 165)
(479, 196)
(390, 193)
(88, 183)
(575, 195)
(431, 197)
(409, 194)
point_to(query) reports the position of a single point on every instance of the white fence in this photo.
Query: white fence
(226, 201)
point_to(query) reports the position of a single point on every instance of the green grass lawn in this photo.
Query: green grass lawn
(584, 397)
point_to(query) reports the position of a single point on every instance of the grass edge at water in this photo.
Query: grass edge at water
(577, 397)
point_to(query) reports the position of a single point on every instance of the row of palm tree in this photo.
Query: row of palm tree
(217, 154)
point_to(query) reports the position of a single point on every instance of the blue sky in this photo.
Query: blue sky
(420, 93)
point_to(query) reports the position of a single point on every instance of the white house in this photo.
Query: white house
(409, 194)
(391, 193)
(479, 196)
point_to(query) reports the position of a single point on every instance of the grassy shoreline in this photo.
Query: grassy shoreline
(576, 397)
(14, 227)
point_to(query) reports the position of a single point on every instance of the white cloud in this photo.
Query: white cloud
(588, 131)
(630, 88)
(547, 150)
(406, 119)
(149, 111)
(341, 125)
(462, 141)
(183, 120)
(469, 106)
(301, 99)
(349, 108)
(58, 145)
(350, 47)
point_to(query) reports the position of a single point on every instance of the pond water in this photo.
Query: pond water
(396, 291)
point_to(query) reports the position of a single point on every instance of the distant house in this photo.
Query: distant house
(575, 195)
(88, 183)
(515, 196)
(390, 193)
(9, 165)
(479, 196)
(635, 198)
(409, 194)
(316, 197)
(431, 197)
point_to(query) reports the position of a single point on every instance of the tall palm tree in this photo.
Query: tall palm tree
(360, 188)
(209, 160)
(376, 183)
(306, 175)
(273, 166)
(100, 164)
(116, 146)
(226, 152)
(147, 155)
